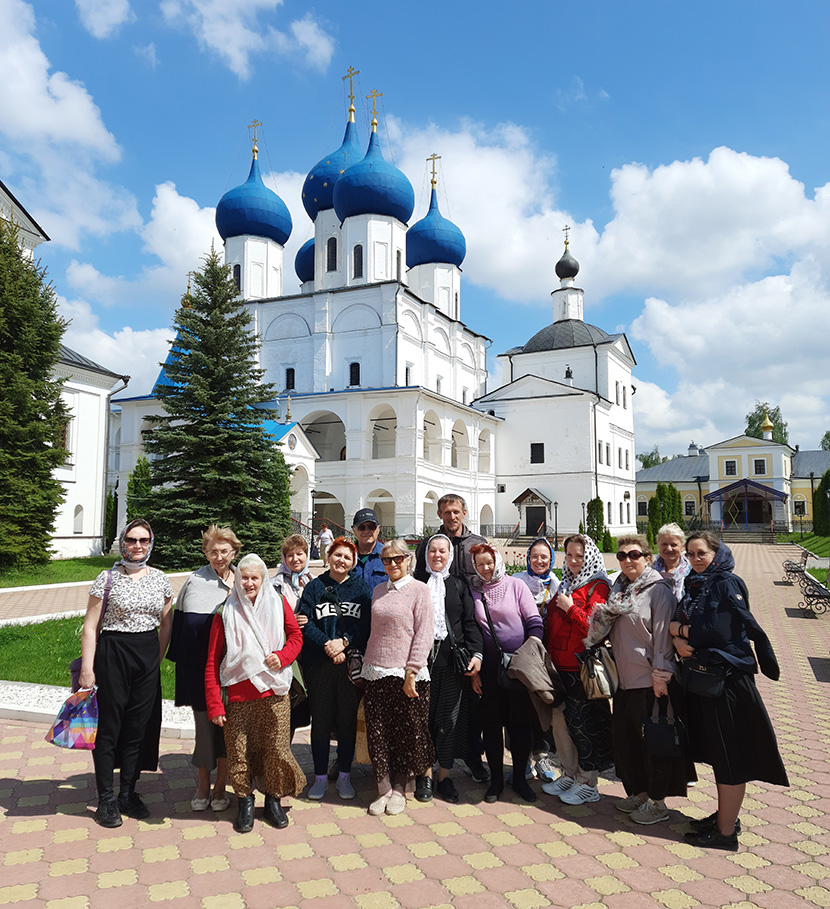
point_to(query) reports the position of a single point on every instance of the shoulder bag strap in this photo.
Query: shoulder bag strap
(490, 623)
(105, 601)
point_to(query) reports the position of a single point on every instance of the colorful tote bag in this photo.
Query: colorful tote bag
(76, 724)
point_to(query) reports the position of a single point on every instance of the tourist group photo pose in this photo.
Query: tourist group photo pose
(445, 653)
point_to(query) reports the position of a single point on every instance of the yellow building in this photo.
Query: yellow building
(741, 483)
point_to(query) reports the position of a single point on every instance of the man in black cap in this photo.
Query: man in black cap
(366, 528)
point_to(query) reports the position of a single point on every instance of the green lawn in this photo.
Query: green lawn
(58, 571)
(820, 574)
(819, 546)
(42, 653)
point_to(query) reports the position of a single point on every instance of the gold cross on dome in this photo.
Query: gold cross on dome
(433, 158)
(350, 76)
(565, 230)
(254, 126)
(374, 95)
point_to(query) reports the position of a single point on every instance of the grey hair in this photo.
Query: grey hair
(252, 560)
(398, 547)
(672, 530)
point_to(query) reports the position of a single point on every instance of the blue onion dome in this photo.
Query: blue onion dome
(567, 266)
(434, 239)
(374, 187)
(253, 209)
(320, 182)
(304, 261)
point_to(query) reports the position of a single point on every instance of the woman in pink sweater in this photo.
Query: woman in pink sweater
(397, 680)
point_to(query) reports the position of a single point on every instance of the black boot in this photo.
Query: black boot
(132, 804)
(274, 812)
(107, 814)
(244, 822)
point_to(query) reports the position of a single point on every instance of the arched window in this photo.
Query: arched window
(331, 254)
(357, 264)
(399, 264)
(610, 514)
(628, 512)
(621, 512)
(237, 276)
(289, 379)
(354, 373)
(78, 526)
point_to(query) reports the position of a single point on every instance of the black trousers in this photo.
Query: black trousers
(506, 709)
(128, 679)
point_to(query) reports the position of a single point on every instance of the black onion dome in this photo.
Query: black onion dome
(567, 266)
(564, 334)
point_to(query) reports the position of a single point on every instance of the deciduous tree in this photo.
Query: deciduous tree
(756, 417)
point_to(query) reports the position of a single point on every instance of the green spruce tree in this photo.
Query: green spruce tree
(821, 507)
(33, 417)
(214, 462)
(596, 520)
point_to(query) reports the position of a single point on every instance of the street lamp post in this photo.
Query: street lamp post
(556, 526)
(584, 520)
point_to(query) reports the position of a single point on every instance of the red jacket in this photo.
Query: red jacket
(565, 631)
(244, 691)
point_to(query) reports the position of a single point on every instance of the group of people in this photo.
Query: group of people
(450, 655)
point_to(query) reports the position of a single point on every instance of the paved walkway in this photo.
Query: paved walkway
(468, 855)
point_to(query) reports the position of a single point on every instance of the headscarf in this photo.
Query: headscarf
(252, 631)
(478, 581)
(593, 569)
(621, 601)
(676, 576)
(295, 579)
(130, 564)
(723, 563)
(542, 586)
(437, 588)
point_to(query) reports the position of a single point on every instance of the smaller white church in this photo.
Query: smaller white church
(384, 389)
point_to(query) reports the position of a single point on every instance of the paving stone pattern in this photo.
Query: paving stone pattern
(333, 854)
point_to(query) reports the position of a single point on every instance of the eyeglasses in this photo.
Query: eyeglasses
(397, 560)
(366, 527)
(137, 541)
(632, 554)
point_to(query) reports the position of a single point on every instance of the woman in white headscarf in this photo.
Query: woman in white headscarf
(254, 640)
(672, 562)
(454, 626)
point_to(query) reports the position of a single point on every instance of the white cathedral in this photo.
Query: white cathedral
(385, 400)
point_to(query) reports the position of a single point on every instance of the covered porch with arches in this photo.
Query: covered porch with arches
(747, 506)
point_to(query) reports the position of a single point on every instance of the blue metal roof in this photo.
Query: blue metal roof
(434, 239)
(253, 209)
(318, 189)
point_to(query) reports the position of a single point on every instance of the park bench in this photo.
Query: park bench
(795, 570)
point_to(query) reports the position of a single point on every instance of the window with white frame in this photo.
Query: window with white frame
(689, 508)
(618, 392)
(354, 374)
(619, 458)
(730, 468)
(610, 514)
(760, 467)
(599, 452)
(537, 452)
(608, 453)
(800, 507)
(626, 460)
(642, 508)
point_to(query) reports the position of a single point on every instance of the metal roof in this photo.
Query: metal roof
(815, 462)
(73, 358)
(677, 470)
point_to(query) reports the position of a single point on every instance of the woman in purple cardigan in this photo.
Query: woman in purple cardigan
(505, 605)
(397, 680)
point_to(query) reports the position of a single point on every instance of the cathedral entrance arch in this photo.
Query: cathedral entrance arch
(383, 504)
(432, 437)
(328, 433)
(460, 446)
(328, 508)
(486, 524)
(299, 491)
(383, 427)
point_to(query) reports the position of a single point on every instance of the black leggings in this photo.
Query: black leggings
(506, 709)
(334, 701)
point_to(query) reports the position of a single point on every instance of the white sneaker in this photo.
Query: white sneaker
(578, 795)
(650, 812)
(396, 803)
(318, 788)
(345, 788)
(379, 805)
(558, 786)
(545, 769)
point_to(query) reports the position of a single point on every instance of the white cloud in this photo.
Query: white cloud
(147, 53)
(235, 32)
(40, 106)
(102, 18)
(137, 353)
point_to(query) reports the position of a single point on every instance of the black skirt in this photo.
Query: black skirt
(733, 734)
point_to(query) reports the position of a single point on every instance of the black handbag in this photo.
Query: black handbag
(461, 656)
(503, 680)
(354, 658)
(663, 732)
(706, 680)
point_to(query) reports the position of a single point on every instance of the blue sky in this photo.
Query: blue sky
(687, 145)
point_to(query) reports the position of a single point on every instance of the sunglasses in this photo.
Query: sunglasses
(632, 554)
(389, 560)
(137, 541)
